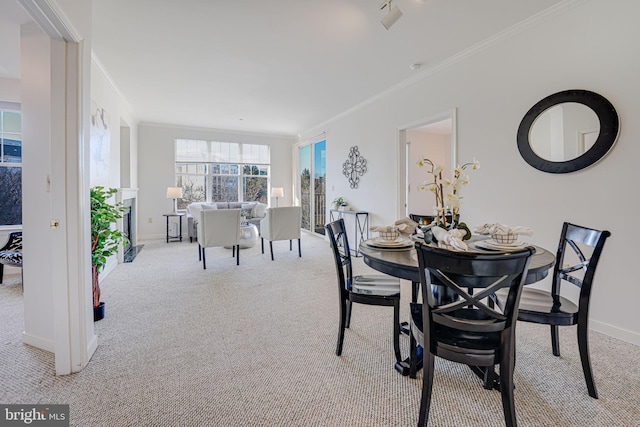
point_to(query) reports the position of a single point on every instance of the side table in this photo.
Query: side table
(179, 215)
(361, 227)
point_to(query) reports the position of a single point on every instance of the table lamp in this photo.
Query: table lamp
(277, 192)
(174, 193)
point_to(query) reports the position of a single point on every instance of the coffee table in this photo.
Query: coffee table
(248, 236)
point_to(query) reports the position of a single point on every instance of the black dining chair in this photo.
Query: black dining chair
(551, 308)
(377, 289)
(466, 329)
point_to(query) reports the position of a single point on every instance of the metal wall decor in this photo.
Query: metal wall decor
(354, 167)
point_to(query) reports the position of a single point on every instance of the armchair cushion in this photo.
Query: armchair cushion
(260, 210)
(11, 258)
(281, 223)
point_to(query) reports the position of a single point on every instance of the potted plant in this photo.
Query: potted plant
(447, 193)
(104, 238)
(339, 203)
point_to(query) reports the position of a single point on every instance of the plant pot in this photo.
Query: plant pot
(98, 312)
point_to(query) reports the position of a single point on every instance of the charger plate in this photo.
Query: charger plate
(401, 243)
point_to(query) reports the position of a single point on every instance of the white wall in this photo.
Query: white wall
(590, 46)
(9, 90)
(157, 168)
(106, 96)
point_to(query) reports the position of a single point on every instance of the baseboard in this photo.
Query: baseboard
(158, 237)
(38, 342)
(616, 332)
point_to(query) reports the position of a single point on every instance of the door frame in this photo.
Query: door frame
(296, 181)
(74, 340)
(403, 161)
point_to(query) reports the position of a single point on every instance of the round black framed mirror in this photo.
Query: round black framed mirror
(568, 131)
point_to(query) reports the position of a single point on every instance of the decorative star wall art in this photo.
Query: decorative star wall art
(354, 167)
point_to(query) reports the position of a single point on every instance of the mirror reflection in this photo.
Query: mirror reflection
(564, 132)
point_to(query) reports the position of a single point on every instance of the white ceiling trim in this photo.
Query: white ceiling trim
(51, 19)
(95, 61)
(215, 130)
(497, 38)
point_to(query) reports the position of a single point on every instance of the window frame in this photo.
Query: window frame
(215, 166)
(11, 107)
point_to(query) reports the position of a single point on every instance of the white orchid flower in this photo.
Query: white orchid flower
(453, 201)
(463, 180)
(449, 202)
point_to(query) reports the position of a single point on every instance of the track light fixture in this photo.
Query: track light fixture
(392, 16)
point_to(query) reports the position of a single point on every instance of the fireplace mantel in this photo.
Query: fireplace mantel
(127, 193)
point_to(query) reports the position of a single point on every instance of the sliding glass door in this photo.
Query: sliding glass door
(311, 182)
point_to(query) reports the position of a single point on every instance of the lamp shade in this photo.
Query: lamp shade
(174, 192)
(277, 192)
(390, 18)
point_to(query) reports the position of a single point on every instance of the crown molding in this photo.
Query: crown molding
(49, 17)
(95, 61)
(216, 130)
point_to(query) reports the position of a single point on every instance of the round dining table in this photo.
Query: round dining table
(403, 263)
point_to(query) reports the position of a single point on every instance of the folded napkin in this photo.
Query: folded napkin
(451, 238)
(406, 226)
(501, 229)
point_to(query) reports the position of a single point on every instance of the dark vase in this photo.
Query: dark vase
(98, 312)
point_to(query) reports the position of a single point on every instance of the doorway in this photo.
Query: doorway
(434, 139)
(312, 165)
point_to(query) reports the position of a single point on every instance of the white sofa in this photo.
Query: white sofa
(254, 212)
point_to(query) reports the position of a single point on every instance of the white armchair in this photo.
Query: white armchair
(219, 227)
(281, 224)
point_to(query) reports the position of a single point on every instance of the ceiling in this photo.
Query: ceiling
(279, 66)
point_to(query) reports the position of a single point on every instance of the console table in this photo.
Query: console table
(360, 225)
(179, 215)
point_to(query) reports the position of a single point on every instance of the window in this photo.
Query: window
(210, 171)
(10, 167)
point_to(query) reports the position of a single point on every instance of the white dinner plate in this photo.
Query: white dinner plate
(488, 244)
(400, 242)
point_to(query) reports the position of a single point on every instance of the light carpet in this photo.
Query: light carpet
(253, 345)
